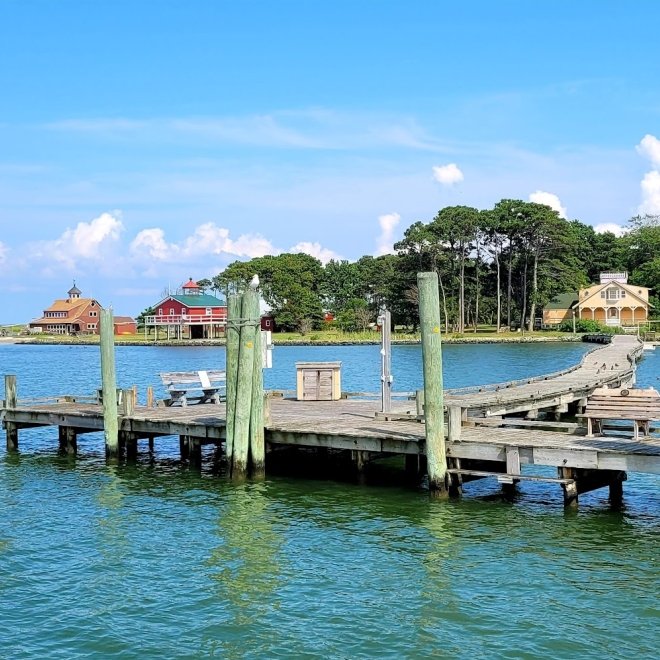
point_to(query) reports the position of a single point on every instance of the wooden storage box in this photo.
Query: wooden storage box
(318, 381)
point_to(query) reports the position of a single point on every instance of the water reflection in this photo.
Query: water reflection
(245, 566)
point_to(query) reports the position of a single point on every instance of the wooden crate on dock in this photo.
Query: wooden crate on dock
(318, 381)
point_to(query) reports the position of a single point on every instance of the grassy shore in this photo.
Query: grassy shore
(321, 337)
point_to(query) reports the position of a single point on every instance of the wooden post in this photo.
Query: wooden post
(109, 382)
(455, 422)
(257, 435)
(429, 318)
(231, 369)
(11, 401)
(68, 440)
(150, 396)
(244, 389)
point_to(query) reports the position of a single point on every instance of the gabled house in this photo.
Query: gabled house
(73, 315)
(613, 301)
(190, 314)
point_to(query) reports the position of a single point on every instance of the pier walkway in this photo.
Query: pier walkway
(481, 447)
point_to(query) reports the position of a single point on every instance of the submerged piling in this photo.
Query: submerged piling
(429, 317)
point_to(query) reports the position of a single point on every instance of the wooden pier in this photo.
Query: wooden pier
(486, 436)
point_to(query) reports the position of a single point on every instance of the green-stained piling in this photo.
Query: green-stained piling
(109, 384)
(429, 317)
(231, 369)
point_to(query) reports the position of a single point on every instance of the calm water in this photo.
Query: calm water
(155, 560)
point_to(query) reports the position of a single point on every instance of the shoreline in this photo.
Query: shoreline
(295, 342)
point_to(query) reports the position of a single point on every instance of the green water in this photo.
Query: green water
(157, 561)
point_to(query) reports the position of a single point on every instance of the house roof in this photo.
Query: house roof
(73, 308)
(204, 300)
(190, 284)
(563, 301)
(123, 319)
(629, 288)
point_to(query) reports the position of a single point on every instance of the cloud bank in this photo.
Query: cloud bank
(649, 148)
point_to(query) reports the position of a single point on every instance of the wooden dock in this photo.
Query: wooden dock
(487, 444)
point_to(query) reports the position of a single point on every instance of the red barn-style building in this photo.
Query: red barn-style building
(191, 314)
(71, 316)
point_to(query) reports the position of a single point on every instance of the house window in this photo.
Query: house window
(184, 310)
(209, 311)
(171, 312)
(91, 326)
(623, 293)
(602, 294)
(93, 313)
(160, 311)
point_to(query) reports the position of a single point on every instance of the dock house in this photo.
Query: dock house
(189, 314)
(69, 316)
(613, 301)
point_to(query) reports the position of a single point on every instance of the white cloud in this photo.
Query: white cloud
(89, 241)
(612, 227)
(207, 239)
(315, 250)
(650, 193)
(3, 252)
(650, 148)
(448, 174)
(549, 199)
(388, 223)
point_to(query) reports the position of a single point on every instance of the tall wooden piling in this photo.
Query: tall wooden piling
(257, 435)
(429, 317)
(231, 369)
(109, 384)
(11, 400)
(244, 389)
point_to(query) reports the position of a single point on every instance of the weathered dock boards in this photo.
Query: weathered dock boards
(353, 425)
(610, 365)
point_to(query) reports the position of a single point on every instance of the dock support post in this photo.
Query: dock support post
(233, 342)
(429, 317)
(571, 489)
(109, 383)
(184, 447)
(257, 434)
(195, 452)
(11, 400)
(244, 389)
(68, 440)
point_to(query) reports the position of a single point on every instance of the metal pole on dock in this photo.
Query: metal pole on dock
(429, 318)
(385, 322)
(244, 388)
(257, 435)
(109, 384)
(231, 369)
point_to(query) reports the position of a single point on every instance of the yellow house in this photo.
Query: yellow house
(613, 301)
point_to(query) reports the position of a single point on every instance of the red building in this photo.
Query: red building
(71, 316)
(191, 314)
(124, 325)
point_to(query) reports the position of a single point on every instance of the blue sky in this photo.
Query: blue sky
(145, 142)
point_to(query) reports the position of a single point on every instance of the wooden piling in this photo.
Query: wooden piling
(429, 317)
(244, 389)
(257, 435)
(11, 401)
(109, 383)
(150, 396)
(231, 368)
(68, 439)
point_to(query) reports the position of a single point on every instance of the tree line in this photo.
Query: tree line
(496, 266)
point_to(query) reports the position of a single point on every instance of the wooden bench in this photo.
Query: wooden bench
(637, 405)
(186, 387)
